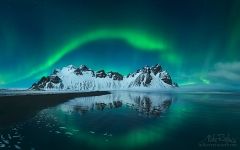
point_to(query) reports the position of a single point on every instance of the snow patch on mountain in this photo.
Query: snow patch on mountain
(85, 79)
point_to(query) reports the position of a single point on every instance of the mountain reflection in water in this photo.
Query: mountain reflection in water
(144, 103)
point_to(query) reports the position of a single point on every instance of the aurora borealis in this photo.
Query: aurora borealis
(196, 41)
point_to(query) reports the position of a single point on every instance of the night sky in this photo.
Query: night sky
(196, 41)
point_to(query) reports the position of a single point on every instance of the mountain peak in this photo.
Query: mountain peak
(71, 67)
(84, 68)
(101, 74)
(156, 69)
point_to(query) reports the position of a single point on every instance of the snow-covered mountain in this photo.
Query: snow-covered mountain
(86, 79)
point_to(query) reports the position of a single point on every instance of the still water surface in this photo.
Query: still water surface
(131, 120)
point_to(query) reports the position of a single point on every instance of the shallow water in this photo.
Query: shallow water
(132, 120)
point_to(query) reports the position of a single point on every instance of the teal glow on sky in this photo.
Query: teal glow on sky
(197, 42)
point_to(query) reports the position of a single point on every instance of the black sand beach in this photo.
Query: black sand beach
(19, 107)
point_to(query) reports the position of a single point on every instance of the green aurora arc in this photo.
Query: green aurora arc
(138, 39)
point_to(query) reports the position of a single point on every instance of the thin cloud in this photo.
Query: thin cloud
(226, 72)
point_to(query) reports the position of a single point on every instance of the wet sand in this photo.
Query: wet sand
(19, 106)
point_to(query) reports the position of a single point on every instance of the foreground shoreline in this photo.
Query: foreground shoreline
(21, 106)
(4, 93)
